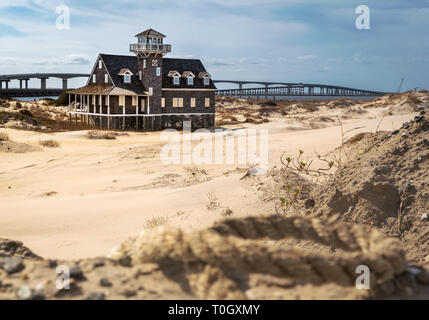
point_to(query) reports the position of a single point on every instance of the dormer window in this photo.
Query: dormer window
(176, 77)
(190, 77)
(206, 77)
(126, 73)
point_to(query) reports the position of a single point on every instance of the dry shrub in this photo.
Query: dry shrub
(4, 136)
(356, 138)
(213, 202)
(50, 143)
(103, 135)
(227, 212)
(155, 222)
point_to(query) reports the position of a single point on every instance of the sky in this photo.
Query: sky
(309, 41)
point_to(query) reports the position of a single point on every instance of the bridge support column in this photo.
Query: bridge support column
(20, 84)
(240, 87)
(266, 91)
(64, 84)
(26, 83)
(43, 83)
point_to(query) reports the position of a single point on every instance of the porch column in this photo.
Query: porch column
(137, 113)
(108, 112)
(123, 112)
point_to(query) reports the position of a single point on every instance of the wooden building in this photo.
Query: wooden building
(145, 91)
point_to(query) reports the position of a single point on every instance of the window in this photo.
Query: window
(162, 102)
(206, 81)
(140, 75)
(151, 91)
(127, 78)
(190, 81)
(193, 102)
(100, 64)
(94, 79)
(178, 102)
(158, 71)
(176, 80)
(106, 78)
(144, 64)
(207, 103)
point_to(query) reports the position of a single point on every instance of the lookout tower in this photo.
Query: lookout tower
(150, 42)
(150, 50)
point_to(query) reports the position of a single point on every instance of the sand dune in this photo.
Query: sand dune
(87, 196)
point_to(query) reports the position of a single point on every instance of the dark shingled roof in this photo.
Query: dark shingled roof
(115, 64)
(150, 32)
(182, 65)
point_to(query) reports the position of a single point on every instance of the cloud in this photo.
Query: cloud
(279, 40)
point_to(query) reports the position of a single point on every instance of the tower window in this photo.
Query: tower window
(100, 64)
(106, 78)
(162, 102)
(207, 102)
(176, 80)
(193, 102)
(151, 91)
(158, 71)
(127, 78)
(190, 81)
(206, 81)
(144, 64)
(140, 75)
(94, 79)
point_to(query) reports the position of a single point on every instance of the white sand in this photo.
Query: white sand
(105, 190)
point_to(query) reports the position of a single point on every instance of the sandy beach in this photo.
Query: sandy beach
(88, 196)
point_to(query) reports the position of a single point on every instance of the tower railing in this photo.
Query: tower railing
(153, 47)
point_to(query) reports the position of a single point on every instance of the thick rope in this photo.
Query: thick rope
(230, 245)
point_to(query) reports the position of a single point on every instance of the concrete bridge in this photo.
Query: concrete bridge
(267, 89)
(25, 91)
(284, 89)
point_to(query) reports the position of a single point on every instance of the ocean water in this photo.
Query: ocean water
(34, 98)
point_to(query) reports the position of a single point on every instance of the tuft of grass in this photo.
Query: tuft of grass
(155, 222)
(4, 136)
(50, 143)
